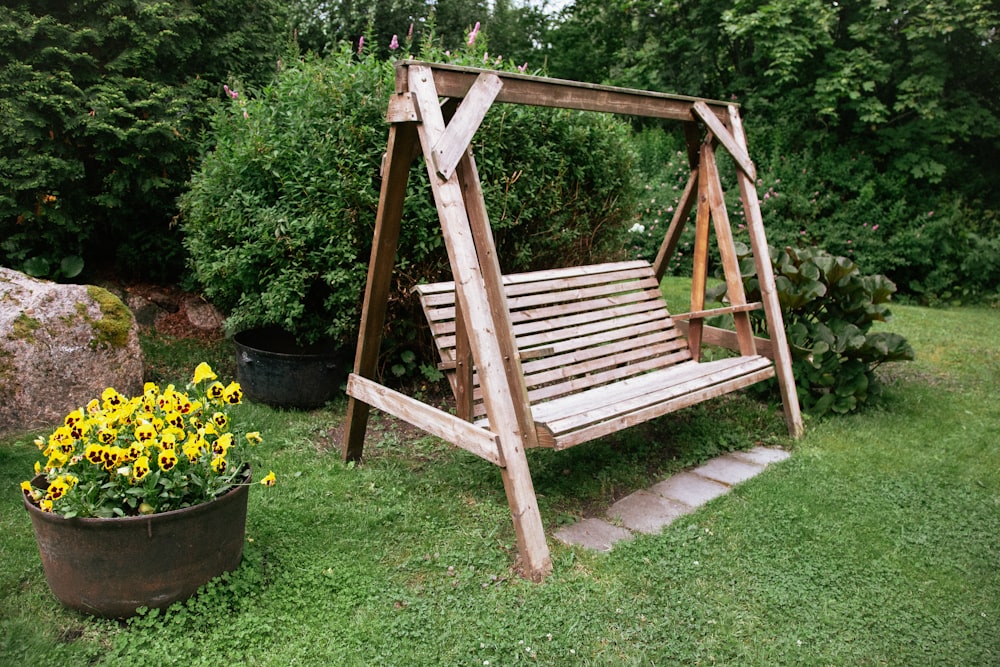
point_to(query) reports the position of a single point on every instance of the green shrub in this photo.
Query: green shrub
(828, 308)
(279, 218)
(935, 245)
(276, 218)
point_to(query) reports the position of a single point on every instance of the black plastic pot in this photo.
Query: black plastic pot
(275, 370)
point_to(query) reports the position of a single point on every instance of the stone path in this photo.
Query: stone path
(649, 510)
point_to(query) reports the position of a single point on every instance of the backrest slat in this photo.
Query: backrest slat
(578, 328)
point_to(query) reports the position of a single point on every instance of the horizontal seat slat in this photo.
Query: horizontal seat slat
(599, 350)
(640, 391)
(692, 395)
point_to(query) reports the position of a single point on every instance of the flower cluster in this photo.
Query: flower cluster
(164, 450)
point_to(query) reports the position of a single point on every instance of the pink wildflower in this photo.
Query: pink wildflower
(361, 44)
(232, 93)
(409, 33)
(522, 68)
(874, 227)
(473, 34)
(394, 44)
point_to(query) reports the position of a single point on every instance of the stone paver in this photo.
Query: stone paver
(594, 534)
(728, 469)
(646, 512)
(688, 488)
(763, 455)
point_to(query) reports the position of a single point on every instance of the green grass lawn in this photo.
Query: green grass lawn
(877, 542)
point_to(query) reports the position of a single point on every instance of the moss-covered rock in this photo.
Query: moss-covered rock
(60, 345)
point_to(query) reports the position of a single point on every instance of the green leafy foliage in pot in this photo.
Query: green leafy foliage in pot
(829, 308)
(165, 450)
(279, 219)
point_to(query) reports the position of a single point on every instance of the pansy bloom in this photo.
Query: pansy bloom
(151, 453)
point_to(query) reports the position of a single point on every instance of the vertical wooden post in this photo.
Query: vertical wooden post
(399, 155)
(478, 287)
(464, 398)
(699, 271)
(727, 251)
(769, 293)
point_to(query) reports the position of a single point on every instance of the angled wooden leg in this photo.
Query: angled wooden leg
(699, 271)
(768, 290)
(727, 252)
(478, 288)
(688, 199)
(402, 138)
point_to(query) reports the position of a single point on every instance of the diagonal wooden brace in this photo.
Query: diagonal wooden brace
(451, 146)
(726, 137)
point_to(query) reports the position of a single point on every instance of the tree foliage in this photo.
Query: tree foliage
(102, 109)
(516, 28)
(869, 114)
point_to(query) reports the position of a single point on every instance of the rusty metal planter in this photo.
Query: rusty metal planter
(111, 567)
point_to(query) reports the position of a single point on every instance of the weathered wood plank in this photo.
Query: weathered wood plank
(477, 276)
(452, 145)
(726, 338)
(664, 407)
(723, 310)
(570, 412)
(455, 81)
(673, 236)
(769, 292)
(727, 252)
(444, 425)
(716, 124)
(699, 270)
(402, 139)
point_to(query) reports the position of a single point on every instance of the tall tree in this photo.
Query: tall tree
(102, 110)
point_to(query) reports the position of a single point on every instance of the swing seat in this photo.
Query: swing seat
(598, 349)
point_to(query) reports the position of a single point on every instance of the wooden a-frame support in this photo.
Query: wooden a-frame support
(421, 124)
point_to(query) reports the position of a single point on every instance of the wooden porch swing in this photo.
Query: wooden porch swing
(556, 358)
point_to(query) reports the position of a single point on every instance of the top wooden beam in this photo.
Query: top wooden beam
(455, 81)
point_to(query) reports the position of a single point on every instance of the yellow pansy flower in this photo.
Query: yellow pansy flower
(111, 398)
(215, 391)
(222, 444)
(254, 438)
(30, 492)
(269, 480)
(203, 372)
(219, 464)
(74, 417)
(166, 459)
(144, 431)
(221, 420)
(94, 453)
(57, 488)
(140, 468)
(233, 393)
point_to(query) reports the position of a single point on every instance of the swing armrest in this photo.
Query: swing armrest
(725, 310)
